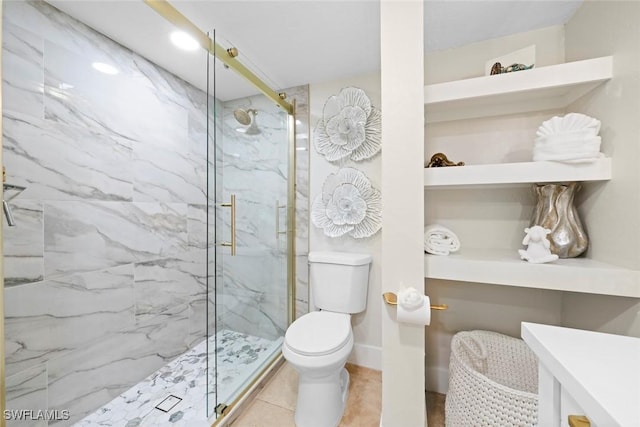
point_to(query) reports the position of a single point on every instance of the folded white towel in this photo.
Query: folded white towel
(561, 149)
(572, 138)
(572, 123)
(439, 240)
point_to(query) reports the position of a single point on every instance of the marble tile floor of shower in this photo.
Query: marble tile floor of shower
(238, 357)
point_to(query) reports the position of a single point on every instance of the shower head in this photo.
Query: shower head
(242, 116)
(247, 118)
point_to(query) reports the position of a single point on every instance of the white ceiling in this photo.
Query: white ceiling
(295, 42)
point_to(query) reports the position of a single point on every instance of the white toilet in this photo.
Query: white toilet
(318, 344)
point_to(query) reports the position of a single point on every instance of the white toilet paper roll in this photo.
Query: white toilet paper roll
(415, 314)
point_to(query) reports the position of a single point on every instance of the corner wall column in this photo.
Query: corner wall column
(402, 83)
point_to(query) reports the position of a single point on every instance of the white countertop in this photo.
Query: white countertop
(601, 371)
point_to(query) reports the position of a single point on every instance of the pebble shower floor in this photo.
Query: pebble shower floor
(238, 357)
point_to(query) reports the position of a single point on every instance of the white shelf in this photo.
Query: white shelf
(517, 173)
(504, 267)
(551, 87)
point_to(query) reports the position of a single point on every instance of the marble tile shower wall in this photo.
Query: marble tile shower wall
(105, 270)
(253, 296)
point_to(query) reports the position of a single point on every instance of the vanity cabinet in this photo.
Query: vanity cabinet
(543, 89)
(585, 373)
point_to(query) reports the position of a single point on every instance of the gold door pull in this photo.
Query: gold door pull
(278, 207)
(579, 421)
(232, 205)
(392, 299)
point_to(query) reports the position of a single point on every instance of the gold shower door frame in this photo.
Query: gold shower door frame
(228, 58)
(225, 409)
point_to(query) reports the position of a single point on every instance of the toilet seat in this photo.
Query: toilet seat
(319, 333)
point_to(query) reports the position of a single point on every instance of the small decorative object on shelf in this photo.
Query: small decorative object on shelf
(350, 127)
(348, 204)
(538, 249)
(555, 210)
(499, 69)
(440, 160)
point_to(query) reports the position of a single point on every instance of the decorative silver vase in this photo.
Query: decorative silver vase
(555, 210)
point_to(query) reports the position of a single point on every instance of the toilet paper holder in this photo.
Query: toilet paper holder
(392, 299)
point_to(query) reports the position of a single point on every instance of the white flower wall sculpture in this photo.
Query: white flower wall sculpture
(348, 205)
(349, 127)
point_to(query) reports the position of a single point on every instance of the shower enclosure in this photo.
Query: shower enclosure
(253, 207)
(149, 271)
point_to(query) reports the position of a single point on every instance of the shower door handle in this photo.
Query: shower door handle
(278, 207)
(232, 243)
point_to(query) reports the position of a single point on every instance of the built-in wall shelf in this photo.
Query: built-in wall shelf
(517, 173)
(504, 267)
(543, 88)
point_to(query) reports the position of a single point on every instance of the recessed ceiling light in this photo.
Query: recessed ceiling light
(105, 68)
(184, 40)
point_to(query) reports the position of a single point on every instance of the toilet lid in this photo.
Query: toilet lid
(318, 333)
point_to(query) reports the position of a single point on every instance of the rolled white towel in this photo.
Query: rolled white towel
(439, 240)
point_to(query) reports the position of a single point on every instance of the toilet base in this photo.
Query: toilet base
(321, 401)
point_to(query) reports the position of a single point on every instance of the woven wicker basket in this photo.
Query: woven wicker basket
(493, 381)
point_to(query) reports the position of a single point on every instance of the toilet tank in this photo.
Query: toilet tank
(339, 281)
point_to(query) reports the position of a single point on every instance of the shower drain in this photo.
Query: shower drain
(168, 403)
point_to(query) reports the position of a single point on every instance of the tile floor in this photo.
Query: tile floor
(275, 404)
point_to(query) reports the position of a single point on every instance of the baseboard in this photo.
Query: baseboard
(367, 356)
(438, 380)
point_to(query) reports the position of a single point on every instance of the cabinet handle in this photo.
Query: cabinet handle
(579, 421)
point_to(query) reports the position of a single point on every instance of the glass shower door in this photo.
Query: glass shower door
(251, 203)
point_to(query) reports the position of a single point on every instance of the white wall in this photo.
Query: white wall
(612, 209)
(495, 217)
(403, 348)
(366, 325)
(484, 217)
(476, 220)
(468, 61)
